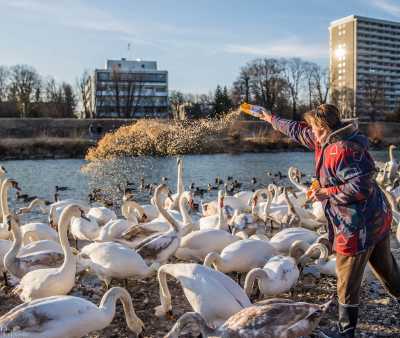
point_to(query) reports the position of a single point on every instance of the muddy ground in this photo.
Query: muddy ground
(379, 314)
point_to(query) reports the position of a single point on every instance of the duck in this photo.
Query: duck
(67, 316)
(211, 293)
(19, 265)
(279, 274)
(277, 318)
(52, 281)
(5, 187)
(160, 247)
(110, 260)
(241, 256)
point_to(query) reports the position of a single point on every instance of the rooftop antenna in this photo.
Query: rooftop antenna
(129, 50)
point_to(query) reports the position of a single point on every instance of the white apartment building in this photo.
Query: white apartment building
(365, 66)
(129, 89)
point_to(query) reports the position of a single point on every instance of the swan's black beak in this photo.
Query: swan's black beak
(4, 169)
(9, 222)
(15, 185)
(84, 216)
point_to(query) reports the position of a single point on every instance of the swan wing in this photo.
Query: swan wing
(151, 247)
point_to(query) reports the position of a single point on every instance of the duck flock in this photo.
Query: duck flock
(224, 253)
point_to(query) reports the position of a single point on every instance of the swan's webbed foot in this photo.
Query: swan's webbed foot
(170, 316)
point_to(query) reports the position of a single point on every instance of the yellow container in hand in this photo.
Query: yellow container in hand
(252, 109)
(314, 186)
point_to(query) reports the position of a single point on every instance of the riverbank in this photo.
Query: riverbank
(43, 148)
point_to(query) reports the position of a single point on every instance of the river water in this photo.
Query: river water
(39, 177)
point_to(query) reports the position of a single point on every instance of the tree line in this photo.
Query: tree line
(290, 86)
(25, 93)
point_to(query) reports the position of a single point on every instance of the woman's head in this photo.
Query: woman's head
(323, 120)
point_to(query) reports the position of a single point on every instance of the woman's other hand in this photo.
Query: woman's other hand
(320, 194)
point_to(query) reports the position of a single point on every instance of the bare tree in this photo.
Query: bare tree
(84, 87)
(322, 82)
(4, 77)
(373, 98)
(267, 83)
(176, 100)
(134, 84)
(23, 81)
(241, 87)
(294, 72)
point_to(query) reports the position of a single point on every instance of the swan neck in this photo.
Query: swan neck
(221, 219)
(63, 226)
(190, 317)
(298, 185)
(391, 157)
(180, 187)
(183, 202)
(4, 199)
(213, 259)
(128, 205)
(107, 307)
(163, 212)
(165, 295)
(10, 259)
(251, 277)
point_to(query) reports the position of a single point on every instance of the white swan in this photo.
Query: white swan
(135, 234)
(390, 168)
(279, 274)
(67, 316)
(56, 208)
(113, 260)
(101, 215)
(212, 294)
(217, 221)
(19, 265)
(283, 240)
(6, 185)
(241, 256)
(325, 264)
(161, 246)
(173, 201)
(57, 281)
(231, 202)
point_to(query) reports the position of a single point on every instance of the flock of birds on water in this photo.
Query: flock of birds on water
(263, 239)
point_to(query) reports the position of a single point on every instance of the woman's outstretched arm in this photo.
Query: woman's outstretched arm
(299, 132)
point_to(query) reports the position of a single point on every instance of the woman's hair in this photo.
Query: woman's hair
(325, 116)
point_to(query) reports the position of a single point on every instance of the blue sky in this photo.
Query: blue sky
(201, 43)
